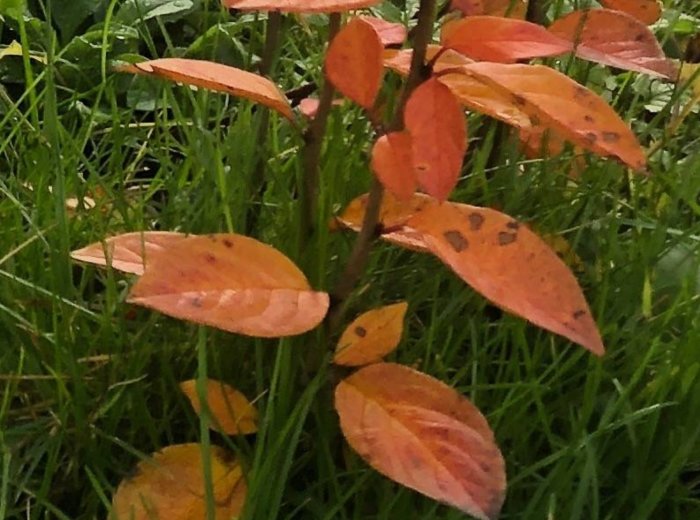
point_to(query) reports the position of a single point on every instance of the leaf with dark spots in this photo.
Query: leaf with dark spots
(254, 290)
(371, 336)
(517, 271)
(544, 90)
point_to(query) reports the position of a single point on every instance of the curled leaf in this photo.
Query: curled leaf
(218, 77)
(552, 100)
(389, 33)
(354, 62)
(231, 282)
(371, 336)
(170, 486)
(127, 252)
(424, 435)
(231, 412)
(616, 39)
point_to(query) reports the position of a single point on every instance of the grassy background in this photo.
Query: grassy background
(88, 384)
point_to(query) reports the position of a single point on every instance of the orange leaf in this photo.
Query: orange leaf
(231, 282)
(539, 141)
(218, 77)
(424, 435)
(354, 62)
(510, 8)
(389, 33)
(553, 100)
(504, 40)
(392, 163)
(371, 336)
(231, 412)
(511, 266)
(647, 11)
(393, 215)
(616, 39)
(437, 126)
(299, 6)
(127, 252)
(170, 486)
(472, 93)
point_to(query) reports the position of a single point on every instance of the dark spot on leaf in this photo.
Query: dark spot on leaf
(196, 301)
(456, 240)
(476, 220)
(611, 137)
(361, 331)
(513, 224)
(578, 314)
(228, 243)
(422, 167)
(505, 238)
(534, 120)
(210, 258)
(589, 118)
(590, 138)
(640, 37)
(518, 99)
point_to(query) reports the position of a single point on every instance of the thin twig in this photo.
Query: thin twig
(313, 141)
(359, 255)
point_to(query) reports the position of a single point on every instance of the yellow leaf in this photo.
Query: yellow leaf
(231, 412)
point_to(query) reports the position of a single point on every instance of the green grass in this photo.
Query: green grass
(89, 384)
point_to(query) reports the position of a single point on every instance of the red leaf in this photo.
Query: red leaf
(389, 33)
(616, 39)
(421, 433)
(216, 76)
(354, 62)
(299, 6)
(437, 126)
(511, 266)
(503, 40)
(647, 11)
(392, 163)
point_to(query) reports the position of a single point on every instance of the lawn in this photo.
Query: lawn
(89, 383)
